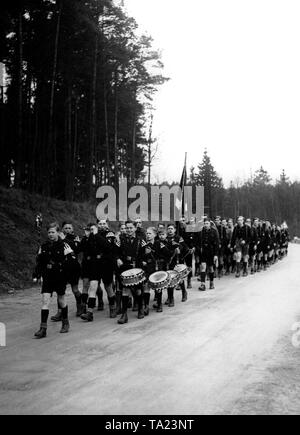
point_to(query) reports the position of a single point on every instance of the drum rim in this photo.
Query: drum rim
(141, 272)
(155, 273)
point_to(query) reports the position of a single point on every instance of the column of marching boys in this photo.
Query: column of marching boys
(131, 264)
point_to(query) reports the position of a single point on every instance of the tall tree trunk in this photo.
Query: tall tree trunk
(116, 135)
(75, 148)
(50, 150)
(93, 122)
(19, 151)
(69, 154)
(150, 154)
(106, 135)
(133, 171)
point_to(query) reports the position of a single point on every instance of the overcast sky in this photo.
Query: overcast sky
(235, 84)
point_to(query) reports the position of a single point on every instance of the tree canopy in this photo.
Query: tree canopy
(79, 83)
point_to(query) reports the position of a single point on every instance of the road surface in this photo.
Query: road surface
(227, 351)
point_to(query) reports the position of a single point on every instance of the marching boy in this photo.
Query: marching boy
(52, 259)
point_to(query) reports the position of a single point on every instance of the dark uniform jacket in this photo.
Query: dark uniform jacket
(131, 251)
(285, 238)
(265, 239)
(172, 243)
(208, 242)
(241, 233)
(51, 261)
(158, 258)
(141, 233)
(222, 237)
(96, 247)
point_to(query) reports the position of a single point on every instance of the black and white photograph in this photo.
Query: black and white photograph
(149, 210)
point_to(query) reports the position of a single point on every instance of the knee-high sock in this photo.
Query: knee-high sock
(65, 313)
(112, 301)
(91, 304)
(147, 298)
(125, 300)
(171, 294)
(159, 298)
(44, 317)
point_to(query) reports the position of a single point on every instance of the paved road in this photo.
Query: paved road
(227, 351)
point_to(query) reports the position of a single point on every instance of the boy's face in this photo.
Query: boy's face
(224, 223)
(123, 229)
(102, 225)
(182, 222)
(162, 236)
(138, 223)
(131, 230)
(53, 234)
(94, 229)
(207, 225)
(171, 231)
(240, 221)
(150, 236)
(68, 229)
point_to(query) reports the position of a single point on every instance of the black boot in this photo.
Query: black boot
(227, 273)
(119, 303)
(135, 307)
(124, 319)
(65, 321)
(88, 317)
(171, 297)
(84, 300)
(43, 329)
(42, 332)
(140, 303)
(245, 269)
(202, 287)
(159, 303)
(129, 303)
(189, 280)
(155, 304)
(65, 326)
(100, 299)
(184, 292)
(146, 303)
(112, 307)
(211, 279)
(238, 270)
(80, 308)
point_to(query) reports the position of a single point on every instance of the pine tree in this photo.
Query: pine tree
(284, 179)
(209, 179)
(261, 177)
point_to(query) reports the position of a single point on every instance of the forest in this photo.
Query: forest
(76, 96)
(259, 196)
